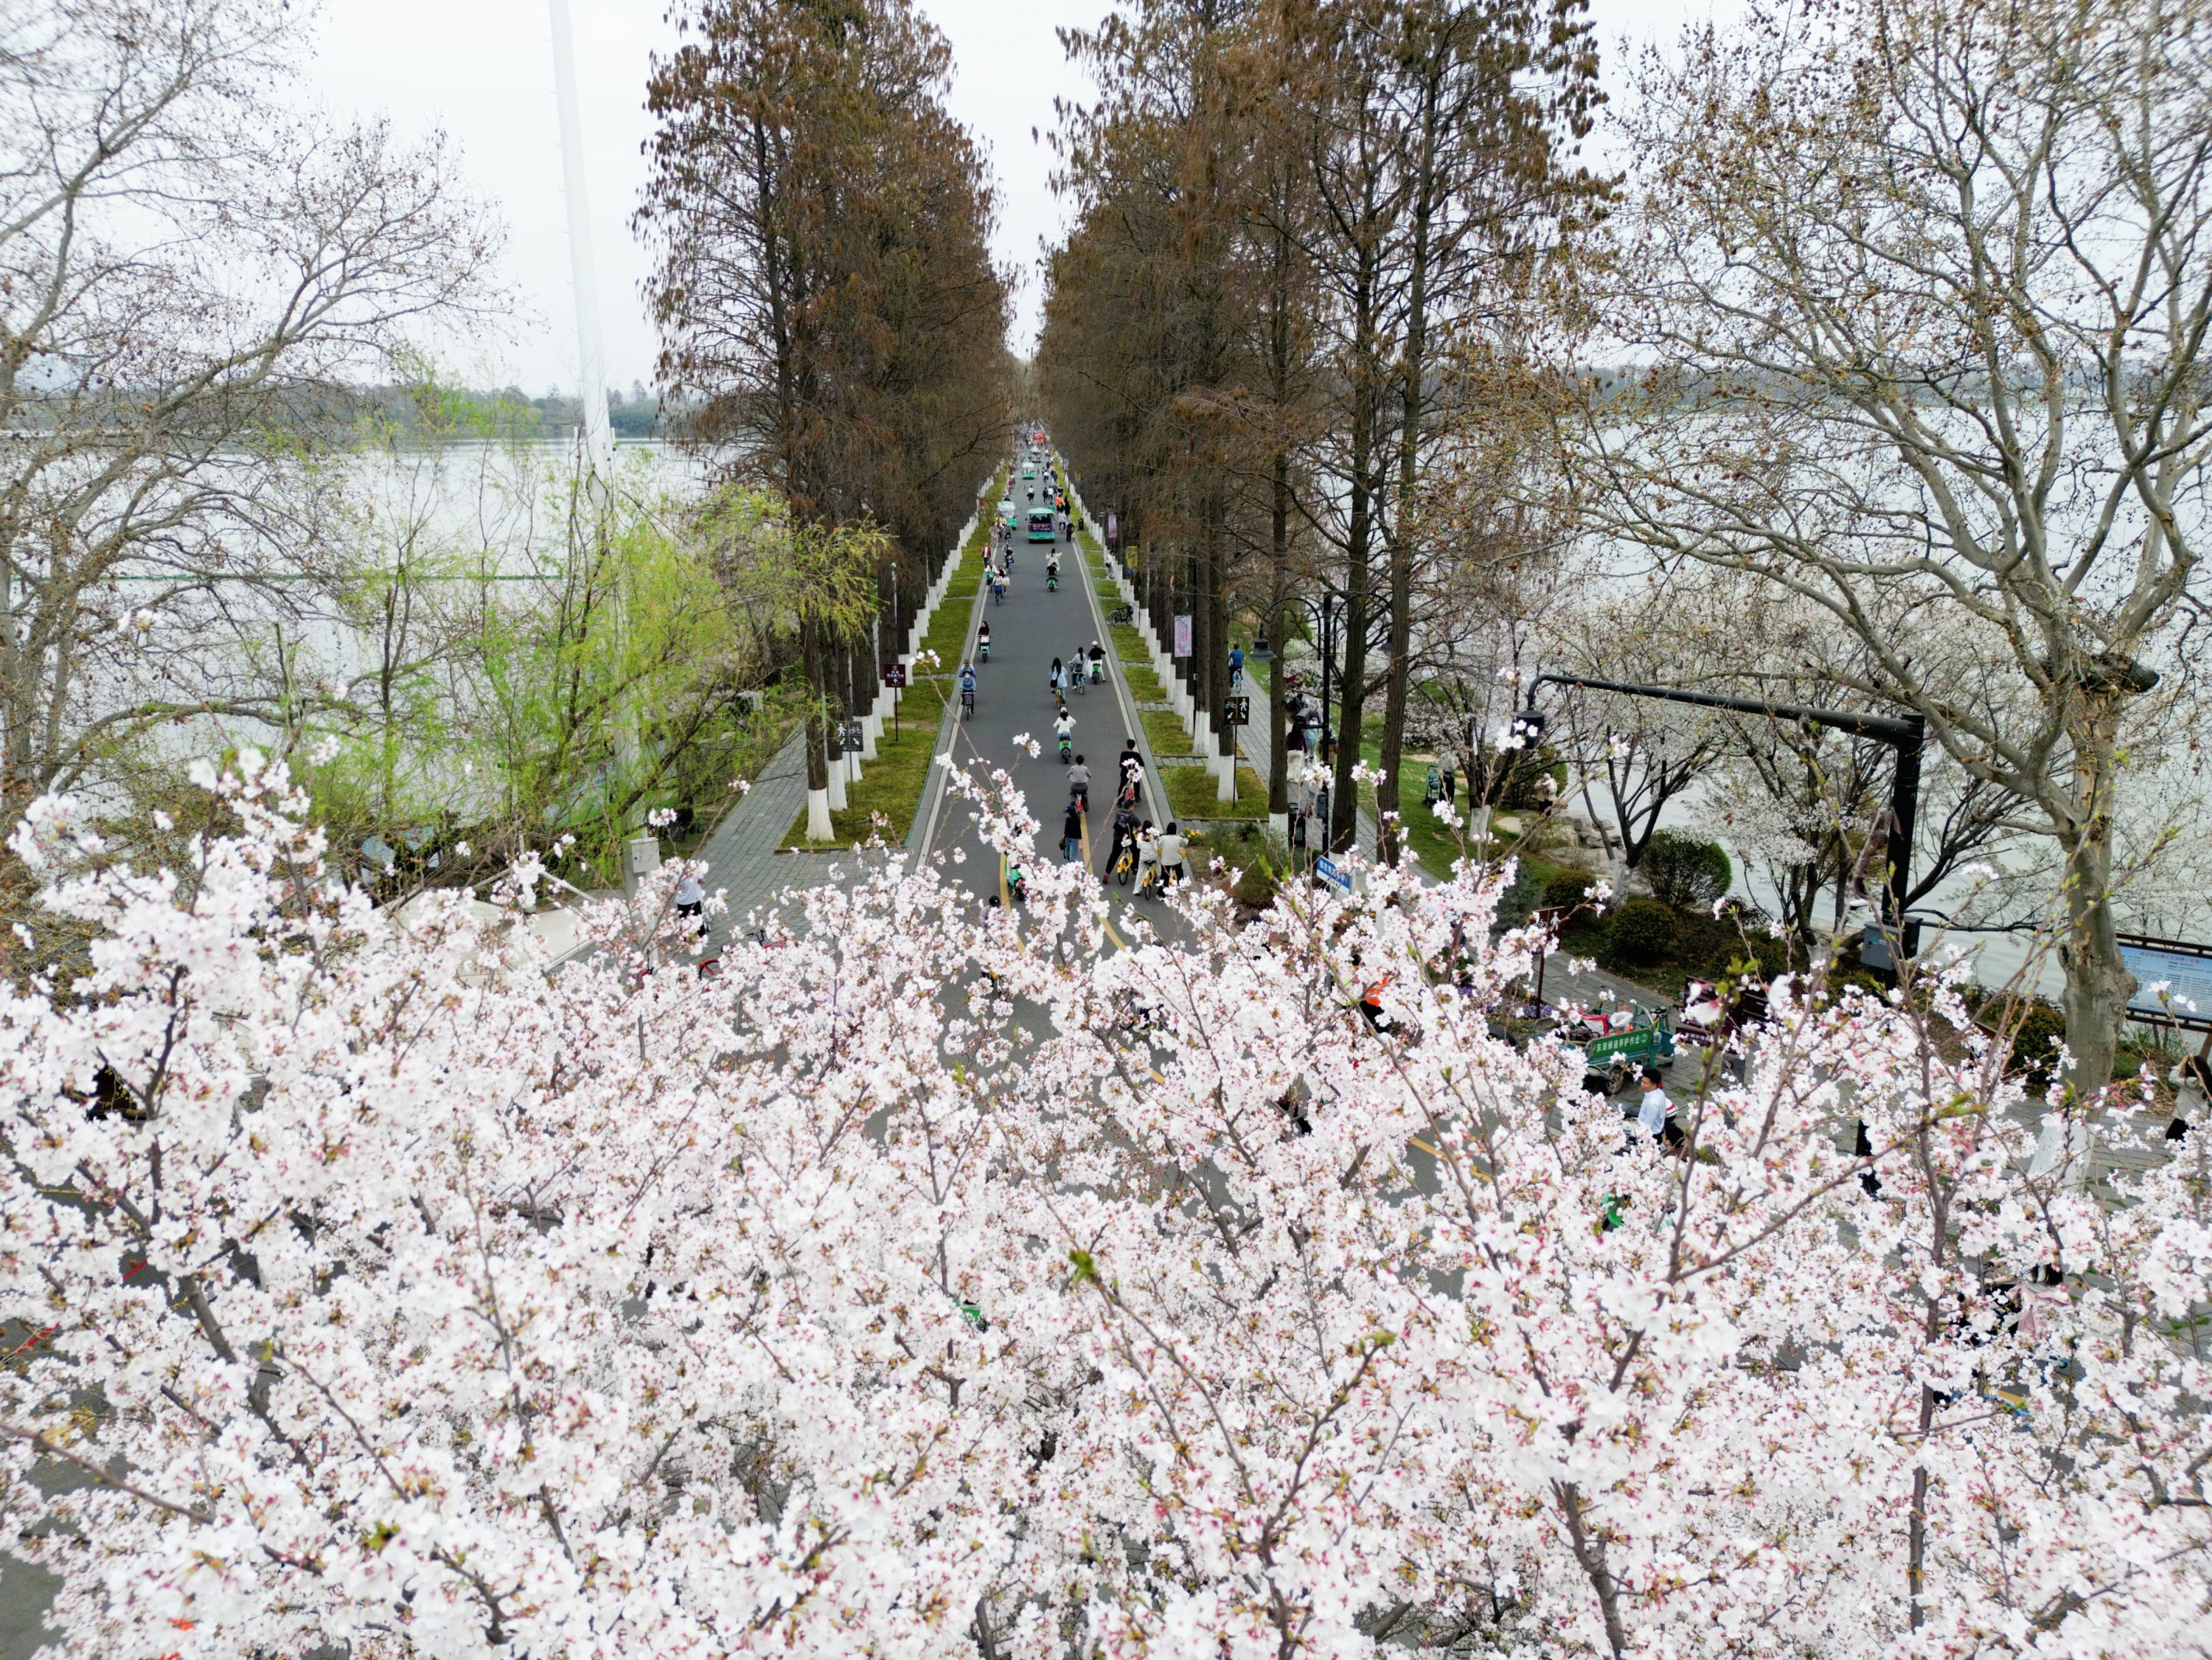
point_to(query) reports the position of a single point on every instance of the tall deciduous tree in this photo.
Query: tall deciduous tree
(191, 276)
(825, 286)
(1927, 286)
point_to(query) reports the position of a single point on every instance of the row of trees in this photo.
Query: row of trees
(1914, 298)
(826, 295)
(1292, 220)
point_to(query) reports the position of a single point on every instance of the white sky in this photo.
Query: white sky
(481, 70)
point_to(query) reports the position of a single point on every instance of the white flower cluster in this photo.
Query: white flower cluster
(923, 1280)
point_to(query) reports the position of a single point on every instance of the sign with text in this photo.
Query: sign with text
(854, 740)
(895, 676)
(2173, 979)
(1112, 526)
(1326, 869)
(1183, 637)
(1235, 711)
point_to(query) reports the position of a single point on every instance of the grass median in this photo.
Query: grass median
(1166, 733)
(891, 785)
(1191, 792)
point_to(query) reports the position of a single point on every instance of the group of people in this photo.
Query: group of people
(1069, 677)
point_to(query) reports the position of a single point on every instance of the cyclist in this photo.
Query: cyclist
(967, 688)
(1098, 664)
(1148, 857)
(1078, 783)
(1122, 857)
(983, 643)
(1063, 728)
(1169, 851)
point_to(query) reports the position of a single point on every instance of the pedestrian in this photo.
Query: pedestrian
(1131, 764)
(1236, 667)
(1058, 680)
(1450, 783)
(691, 903)
(1071, 832)
(1079, 781)
(1655, 1113)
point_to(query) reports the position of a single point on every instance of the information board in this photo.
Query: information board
(2184, 969)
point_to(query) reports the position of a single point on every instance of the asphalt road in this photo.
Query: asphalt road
(1014, 700)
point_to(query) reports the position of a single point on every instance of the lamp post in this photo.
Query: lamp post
(1907, 735)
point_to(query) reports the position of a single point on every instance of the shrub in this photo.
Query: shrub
(1684, 871)
(1644, 932)
(2035, 1045)
(1566, 889)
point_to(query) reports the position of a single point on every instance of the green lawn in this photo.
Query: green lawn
(1144, 685)
(891, 785)
(1166, 733)
(1129, 645)
(1191, 792)
(948, 626)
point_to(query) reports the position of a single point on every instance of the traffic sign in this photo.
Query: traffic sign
(1326, 869)
(1237, 711)
(895, 676)
(854, 738)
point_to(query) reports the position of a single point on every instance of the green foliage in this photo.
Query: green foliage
(2041, 1026)
(1642, 933)
(1685, 872)
(1567, 888)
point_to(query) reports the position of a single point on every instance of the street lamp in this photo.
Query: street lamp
(1907, 735)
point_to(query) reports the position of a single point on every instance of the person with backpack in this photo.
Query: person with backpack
(1071, 832)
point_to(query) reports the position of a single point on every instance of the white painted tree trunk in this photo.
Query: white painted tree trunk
(818, 828)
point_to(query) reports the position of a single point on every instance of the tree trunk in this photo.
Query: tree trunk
(2098, 983)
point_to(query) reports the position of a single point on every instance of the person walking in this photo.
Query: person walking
(1236, 667)
(1058, 679)
(1071, 832)
(691, 903)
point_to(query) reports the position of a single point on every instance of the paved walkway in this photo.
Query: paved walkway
(741, 854)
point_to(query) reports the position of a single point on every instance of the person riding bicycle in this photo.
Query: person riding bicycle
(968, 685)
(1079, 781)
(1169, 851)
(1148, 856)
(1124, 844)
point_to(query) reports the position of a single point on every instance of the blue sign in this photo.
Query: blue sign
(1326, 869)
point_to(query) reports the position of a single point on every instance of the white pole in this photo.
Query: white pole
(590, 351)
(599, 436)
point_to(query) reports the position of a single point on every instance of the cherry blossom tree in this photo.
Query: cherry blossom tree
(928, 1280)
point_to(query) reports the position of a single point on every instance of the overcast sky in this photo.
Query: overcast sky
(482, 70)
